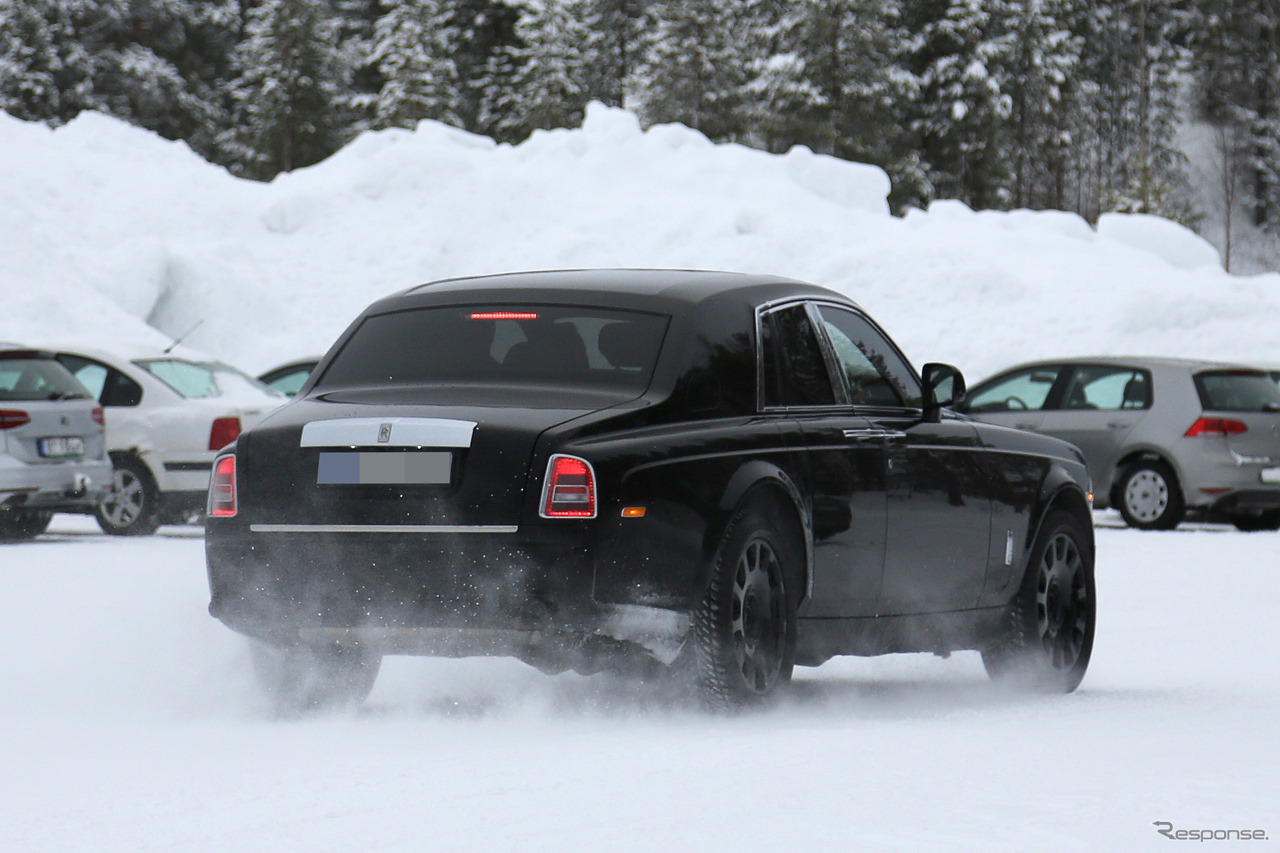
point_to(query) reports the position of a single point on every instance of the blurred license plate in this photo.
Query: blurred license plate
(61, 447)
(1270, 475)
(430, 468)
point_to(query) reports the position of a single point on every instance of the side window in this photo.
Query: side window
(795, 373)
(1026, 390)
(1107, 388)
(110, 386)
(875, 372)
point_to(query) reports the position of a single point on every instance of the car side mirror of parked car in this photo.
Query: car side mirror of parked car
(943, 388)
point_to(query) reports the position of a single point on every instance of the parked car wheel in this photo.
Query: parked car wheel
(1149, 496)
(1049, 634)
(19, 525)
(745, 627)
(131, 507)
(1269, 520)
(304, 678)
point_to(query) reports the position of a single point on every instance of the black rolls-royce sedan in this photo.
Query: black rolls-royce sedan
(723, 474)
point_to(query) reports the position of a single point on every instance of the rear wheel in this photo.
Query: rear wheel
(1149, 496)
(19, 525)
(745, 626)
(131, 505)
(302, 678)
(1048, 635)
(1253, 523)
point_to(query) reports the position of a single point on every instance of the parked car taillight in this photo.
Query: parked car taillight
(222, 488)
(98, 417)
(1216, 426)
(10, 418)
(570, 490)
(224, 431)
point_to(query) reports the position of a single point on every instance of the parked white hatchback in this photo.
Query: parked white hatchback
(167, 414)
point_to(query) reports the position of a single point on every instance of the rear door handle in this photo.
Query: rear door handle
(1119, 424)
(1029, 426)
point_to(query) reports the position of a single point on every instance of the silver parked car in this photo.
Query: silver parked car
(53, 453)
(1161, 436)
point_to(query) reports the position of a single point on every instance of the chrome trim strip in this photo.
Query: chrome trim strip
(383, 528)
(388, 432)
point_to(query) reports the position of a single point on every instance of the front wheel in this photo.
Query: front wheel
(19, 525)
(1149, 496)
(304, 678)
(1048, 634)
(131, 505)
(745, 626)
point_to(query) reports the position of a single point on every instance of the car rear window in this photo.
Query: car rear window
(506, 344)
(34, 378)
(197, 380)
(1238, 391)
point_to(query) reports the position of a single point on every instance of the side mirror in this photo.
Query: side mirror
(943, 388)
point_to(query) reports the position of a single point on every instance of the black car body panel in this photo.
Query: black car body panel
(915, 534)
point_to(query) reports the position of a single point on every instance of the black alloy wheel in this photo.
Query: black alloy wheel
(131, 505)
(19, 525)
(745, 627)
(305, 678)
(1149, 497)
(1048, 635)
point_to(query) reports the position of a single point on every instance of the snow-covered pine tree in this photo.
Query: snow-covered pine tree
(1043, 62)
(46, 68)
(1133, 52)
(695, 69)
(1237, 68)
(961, 58)
(289, 94)
(549, 87)
(411, 50)
(613, 47)
(483, 37)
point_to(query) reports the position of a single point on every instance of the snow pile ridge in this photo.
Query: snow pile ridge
(110, 230)
(1176, 244)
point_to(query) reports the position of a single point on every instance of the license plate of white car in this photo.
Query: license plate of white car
(61, 447)
(1270, 475)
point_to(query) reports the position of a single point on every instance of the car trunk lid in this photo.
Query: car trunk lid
(371, 458)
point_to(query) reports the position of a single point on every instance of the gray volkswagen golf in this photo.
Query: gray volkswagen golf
(1162, 437)
(53, 454)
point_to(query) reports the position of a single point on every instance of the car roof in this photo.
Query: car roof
(128, 351)
(663, 290)
(1127, 360)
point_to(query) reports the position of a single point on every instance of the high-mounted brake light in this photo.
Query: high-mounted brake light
(1216, 426)
(222, 488)
(223, 432)
(10, 418)
(570, 489)
(504, 315)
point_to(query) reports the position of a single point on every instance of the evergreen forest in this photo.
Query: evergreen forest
(1044, 104)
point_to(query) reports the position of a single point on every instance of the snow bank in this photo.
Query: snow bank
(109, 232)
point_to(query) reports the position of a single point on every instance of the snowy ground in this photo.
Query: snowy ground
(129, 722)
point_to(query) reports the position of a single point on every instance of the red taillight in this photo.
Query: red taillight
(570, 490)
(10, 418)
(98, 417)
(222, 488)
(1216, 426)
(225, 431)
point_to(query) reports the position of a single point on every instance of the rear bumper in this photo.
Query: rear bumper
(71, 487)
(1247, 500)
(527, 594)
